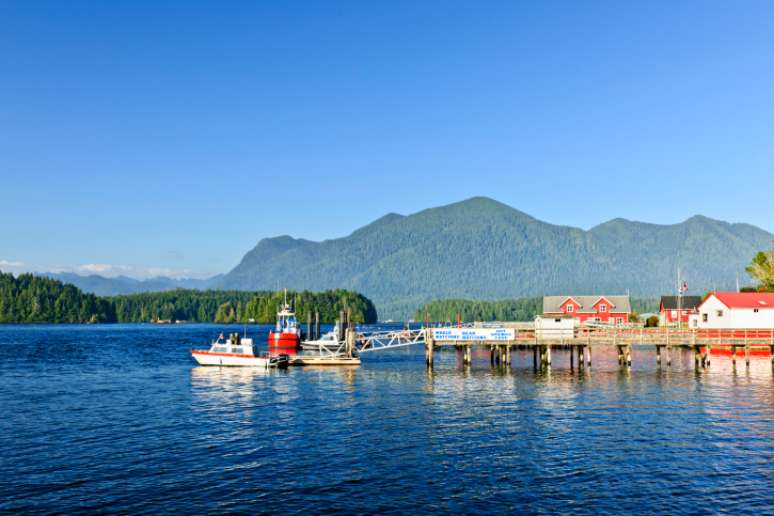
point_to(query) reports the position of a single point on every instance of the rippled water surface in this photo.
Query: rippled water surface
(119, 419)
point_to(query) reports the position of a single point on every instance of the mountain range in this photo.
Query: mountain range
(483, 249)
(113, 286)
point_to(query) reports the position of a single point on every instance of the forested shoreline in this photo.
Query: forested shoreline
(227, 306)
(519, 309)
(35, 299)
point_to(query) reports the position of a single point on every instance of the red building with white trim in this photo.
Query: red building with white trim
(670, 313)
(603, 309)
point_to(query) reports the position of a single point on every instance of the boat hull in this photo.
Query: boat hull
(283, 342)
(207, 358)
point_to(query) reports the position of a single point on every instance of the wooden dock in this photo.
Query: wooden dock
(582, 342)
(338, 353)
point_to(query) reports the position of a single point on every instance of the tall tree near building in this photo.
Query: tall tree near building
(762, 269)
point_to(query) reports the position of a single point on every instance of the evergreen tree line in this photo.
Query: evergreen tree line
(446, 310)
(239, 306)
(520, 309)
(35, 299)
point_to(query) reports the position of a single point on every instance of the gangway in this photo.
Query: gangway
(378, 341)
(366, 342)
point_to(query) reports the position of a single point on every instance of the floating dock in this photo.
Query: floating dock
(315, 360)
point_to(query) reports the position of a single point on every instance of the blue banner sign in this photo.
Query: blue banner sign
(482, 334)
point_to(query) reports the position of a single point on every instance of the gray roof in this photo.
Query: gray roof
(688, 302)
(552, 304)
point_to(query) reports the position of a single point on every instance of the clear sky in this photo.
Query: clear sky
(171, 136)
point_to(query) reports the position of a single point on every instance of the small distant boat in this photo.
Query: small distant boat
(236, 351)
(328, 341)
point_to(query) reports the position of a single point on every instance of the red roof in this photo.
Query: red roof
(746, 299)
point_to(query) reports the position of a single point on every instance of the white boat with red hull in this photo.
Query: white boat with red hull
(236, 351)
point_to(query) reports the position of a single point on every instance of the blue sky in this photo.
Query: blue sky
(169, 137)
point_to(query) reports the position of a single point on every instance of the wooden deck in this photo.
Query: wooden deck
(582, 341)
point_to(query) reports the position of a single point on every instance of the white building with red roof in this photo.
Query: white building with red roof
(735, 310)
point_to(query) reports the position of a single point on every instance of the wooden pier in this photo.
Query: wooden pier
(582, 342)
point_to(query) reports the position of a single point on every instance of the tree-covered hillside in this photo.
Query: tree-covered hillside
(483, 249)
(523, 309)
(239, 306)
(469, 310)
(33, 299)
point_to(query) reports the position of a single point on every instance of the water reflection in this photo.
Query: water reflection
(225, 384)
(152, 431)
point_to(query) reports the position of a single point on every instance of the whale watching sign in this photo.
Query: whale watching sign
(480, 334)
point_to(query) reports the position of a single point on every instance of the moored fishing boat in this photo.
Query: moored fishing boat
(286, 336)
(236, 351)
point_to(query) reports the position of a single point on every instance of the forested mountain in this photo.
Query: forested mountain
(118, 285)
(483, 249)
(33, 299)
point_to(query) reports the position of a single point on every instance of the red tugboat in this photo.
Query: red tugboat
(286, 337)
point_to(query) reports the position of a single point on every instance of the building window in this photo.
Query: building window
(674, 313)
(720, 313)
(755, 310)
(619, 320)
(704, 317)
(570, 308)
(603, 308)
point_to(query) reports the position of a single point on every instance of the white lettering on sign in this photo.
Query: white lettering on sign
(482, 334)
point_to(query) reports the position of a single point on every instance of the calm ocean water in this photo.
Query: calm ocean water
(119, 419)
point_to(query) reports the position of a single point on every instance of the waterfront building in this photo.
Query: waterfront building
(674, 309)
(735, 310)
(555, 327)
(599, 308)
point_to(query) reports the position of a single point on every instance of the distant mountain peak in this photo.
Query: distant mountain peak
(482, 248)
